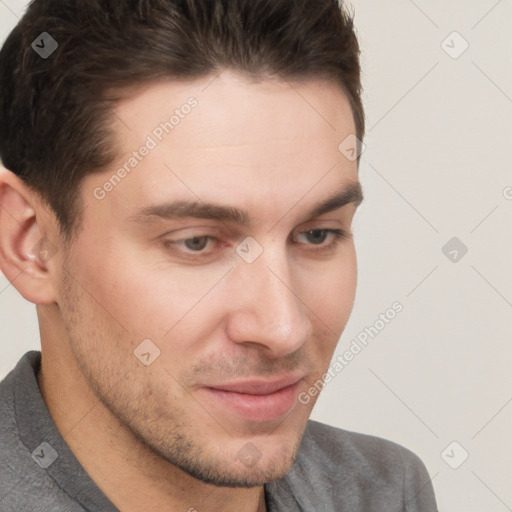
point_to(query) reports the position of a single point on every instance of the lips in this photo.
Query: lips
(256, 400)
(259, 387)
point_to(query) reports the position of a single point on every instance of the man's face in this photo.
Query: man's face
(213, 308)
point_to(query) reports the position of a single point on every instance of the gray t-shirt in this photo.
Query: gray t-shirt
(335, 470)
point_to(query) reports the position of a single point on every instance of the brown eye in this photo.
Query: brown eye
(197, 243)
(321, 240)
(317, 236)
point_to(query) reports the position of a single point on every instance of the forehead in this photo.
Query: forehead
(228, 136)
(226, 99)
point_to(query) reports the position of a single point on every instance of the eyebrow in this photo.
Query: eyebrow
(180, 209)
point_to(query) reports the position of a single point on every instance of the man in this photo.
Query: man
(177, 203)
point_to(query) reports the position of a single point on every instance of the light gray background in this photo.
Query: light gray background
(436, 166)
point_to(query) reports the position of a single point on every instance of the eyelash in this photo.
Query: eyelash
(338, 236)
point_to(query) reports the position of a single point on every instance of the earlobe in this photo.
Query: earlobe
(25, 248)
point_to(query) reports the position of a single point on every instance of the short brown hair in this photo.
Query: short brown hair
(55, 113)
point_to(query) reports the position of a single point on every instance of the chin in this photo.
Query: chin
(249, 462)
(238, 474)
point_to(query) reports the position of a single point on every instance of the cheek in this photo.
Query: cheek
(329, 291)
(152, 298)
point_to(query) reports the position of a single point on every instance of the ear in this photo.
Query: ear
(26, 250)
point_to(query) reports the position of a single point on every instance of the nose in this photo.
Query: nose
(267, 306)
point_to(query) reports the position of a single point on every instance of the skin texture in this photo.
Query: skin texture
(151, 436)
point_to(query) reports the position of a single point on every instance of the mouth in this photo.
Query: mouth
(256, 400)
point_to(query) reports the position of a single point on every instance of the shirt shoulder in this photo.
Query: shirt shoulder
(338, 469)
(25, 483)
